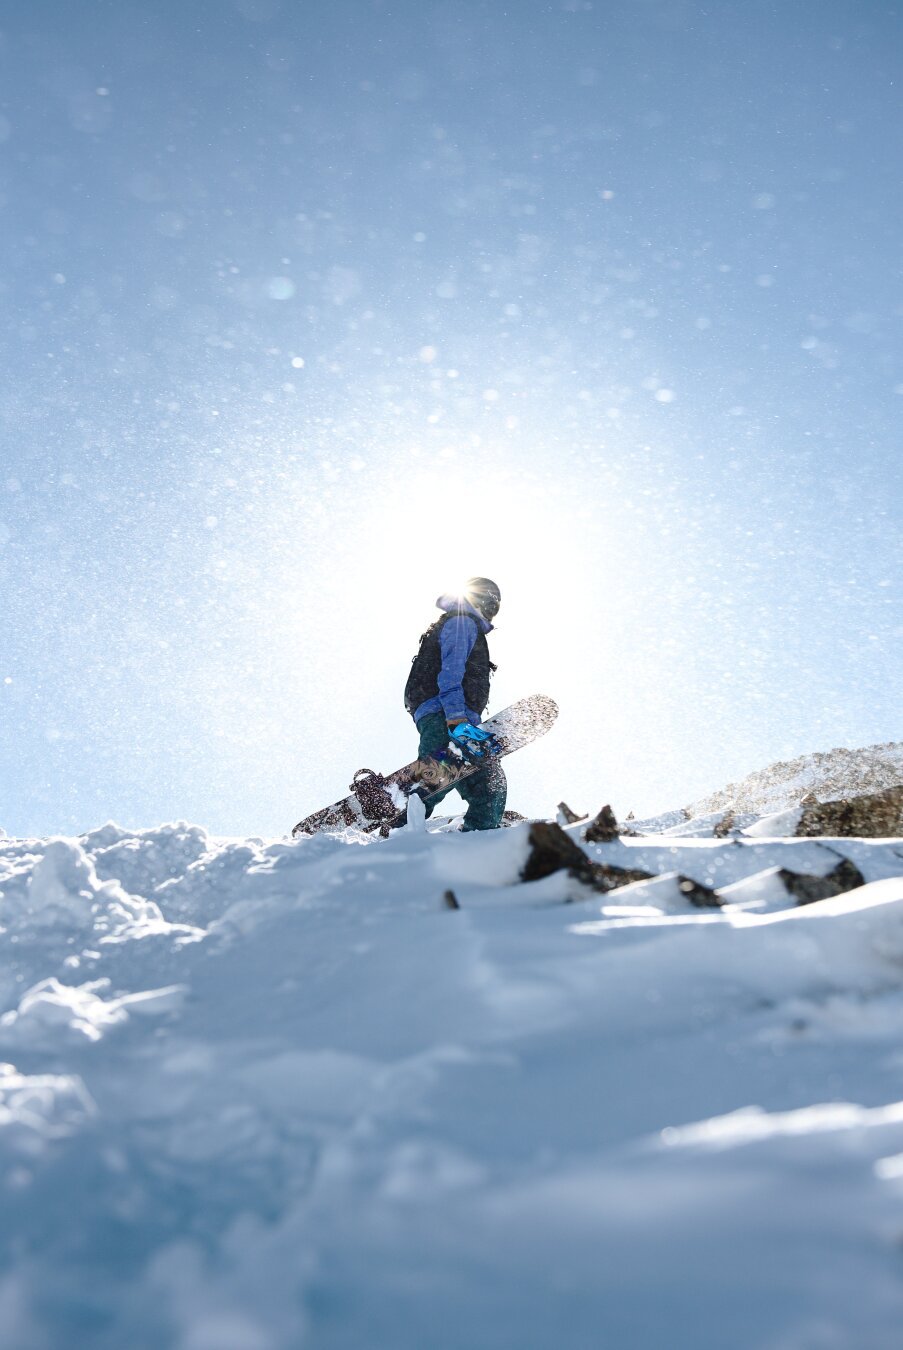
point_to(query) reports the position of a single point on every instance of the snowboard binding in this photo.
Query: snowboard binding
(474, 743)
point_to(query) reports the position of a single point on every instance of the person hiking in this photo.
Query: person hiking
(449, 687)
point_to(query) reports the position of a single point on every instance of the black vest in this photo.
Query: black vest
(423, 681)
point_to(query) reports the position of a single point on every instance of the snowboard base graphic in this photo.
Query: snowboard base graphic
(375, 802)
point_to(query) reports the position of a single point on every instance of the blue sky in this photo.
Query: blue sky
(312, 309)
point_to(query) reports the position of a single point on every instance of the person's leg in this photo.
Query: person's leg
(485, 793)
(433, 736)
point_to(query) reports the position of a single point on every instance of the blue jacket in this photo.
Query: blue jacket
(456, 643)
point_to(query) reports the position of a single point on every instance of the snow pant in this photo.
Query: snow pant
(485, 791)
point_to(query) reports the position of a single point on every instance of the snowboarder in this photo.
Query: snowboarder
(448, 688)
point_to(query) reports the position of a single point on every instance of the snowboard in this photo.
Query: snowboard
(376, 802)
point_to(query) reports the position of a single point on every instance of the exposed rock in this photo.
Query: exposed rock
(551, 850)
(875, 815)
(603, 829)
(512, 817)
(806, 889)
(450, 900)
(700, 896)
(810, 799)
(606, 877)
(630, 816)
(725, 825)
(566, 816)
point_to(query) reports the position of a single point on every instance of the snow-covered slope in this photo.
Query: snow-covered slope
(827, 776)
(261, 1096)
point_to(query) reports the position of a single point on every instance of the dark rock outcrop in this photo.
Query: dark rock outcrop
(605, 877)
(510, 817)
(699, 896)
(552, 850)
(875, 815)
(725, 825)
(567, 815)
(805, 889)
(603, 829)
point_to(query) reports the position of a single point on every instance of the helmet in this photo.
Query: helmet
(484, 595)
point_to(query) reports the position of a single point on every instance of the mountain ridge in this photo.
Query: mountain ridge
(827, 775)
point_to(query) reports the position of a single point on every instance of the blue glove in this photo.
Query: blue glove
(474, 741)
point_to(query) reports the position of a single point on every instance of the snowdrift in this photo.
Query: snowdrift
(257, 1095)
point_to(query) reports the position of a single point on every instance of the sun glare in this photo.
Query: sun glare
(536, 539)
(493, 525)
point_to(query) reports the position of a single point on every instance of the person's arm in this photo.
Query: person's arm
(456, 643)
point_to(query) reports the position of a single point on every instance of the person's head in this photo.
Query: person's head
(484, 595)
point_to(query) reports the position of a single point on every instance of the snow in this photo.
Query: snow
(258, 1095)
